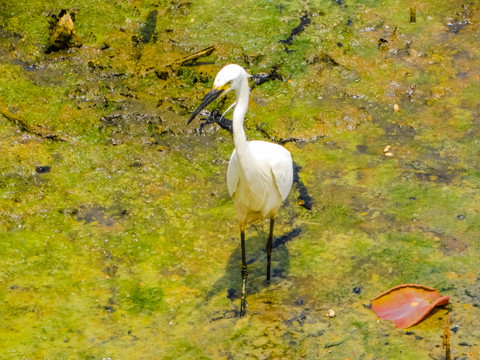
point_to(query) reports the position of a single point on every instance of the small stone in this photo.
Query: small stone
(396, 108)
(387, 151)
(330, 313)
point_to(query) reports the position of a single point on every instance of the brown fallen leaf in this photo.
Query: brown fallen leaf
(63, 34)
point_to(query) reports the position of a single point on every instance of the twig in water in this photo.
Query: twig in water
(446, 338)
(33, 129)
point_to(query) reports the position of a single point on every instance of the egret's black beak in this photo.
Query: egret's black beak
(212, 95)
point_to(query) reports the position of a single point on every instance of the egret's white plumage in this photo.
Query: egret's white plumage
(260, 173)
(262, 182)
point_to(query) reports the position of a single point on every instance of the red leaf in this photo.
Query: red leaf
(407, 304)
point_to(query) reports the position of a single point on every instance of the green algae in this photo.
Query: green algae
(128, 246)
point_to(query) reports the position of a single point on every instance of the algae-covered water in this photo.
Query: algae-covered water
(118, 238)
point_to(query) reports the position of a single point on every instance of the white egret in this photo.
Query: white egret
(260, 173)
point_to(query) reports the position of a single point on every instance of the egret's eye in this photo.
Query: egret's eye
(230, 82)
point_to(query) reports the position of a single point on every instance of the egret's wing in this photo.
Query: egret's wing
(282, 170)
(233, 174)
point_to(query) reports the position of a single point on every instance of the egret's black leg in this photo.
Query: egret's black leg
(269, 247)
(244, 275)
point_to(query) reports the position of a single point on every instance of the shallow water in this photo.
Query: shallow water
(122, 243)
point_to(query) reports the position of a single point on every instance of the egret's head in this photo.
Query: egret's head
(229, 78)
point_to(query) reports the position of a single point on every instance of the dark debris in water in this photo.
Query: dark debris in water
(148, 28)
(109, 309)
(333, 344)
(304, 22)
(215, 117)
(261, 78)
(42, 169)
(382, 42)
(340, 3)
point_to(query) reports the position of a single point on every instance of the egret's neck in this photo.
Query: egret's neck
(242, 95)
